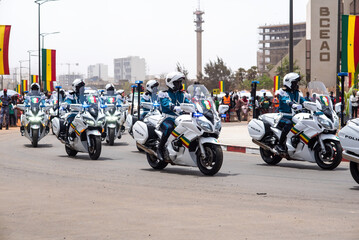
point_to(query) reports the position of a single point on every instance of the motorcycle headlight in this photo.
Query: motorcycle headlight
(101, 120)
(35, 119)
(205, 125)
(111, 118)
(89, 122)
(325, 122)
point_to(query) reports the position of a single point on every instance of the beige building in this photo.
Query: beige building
(316, 55)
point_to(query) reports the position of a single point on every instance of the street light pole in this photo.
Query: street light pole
(39, 2)
(30, 51)
(291, 36)
(43, 35)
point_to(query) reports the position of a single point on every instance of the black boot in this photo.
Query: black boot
(281, 148)
(0, 126)
(161, 148)
(7, 126)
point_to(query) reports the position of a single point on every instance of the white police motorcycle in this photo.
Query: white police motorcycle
(349, 138)
(312, 138)
(34, 120)
(85, 131)
(115, 119)
(194, 140)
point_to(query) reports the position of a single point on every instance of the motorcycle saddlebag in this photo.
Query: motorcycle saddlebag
(140, 132)
(256, 129)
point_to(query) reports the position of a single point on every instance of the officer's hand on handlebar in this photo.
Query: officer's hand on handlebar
(297, 107)
(177, 109)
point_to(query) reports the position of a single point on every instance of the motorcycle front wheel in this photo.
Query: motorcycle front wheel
(333, 156)
(35, 137)
(111, 136)
(95, 147)
(354, 170)
(155, 163)
(212, 163)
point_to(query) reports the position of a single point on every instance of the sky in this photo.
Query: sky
(161, 31)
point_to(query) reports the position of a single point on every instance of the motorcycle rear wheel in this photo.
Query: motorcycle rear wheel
(35, 137)
(155, 163)
(354, 170)
(95, 147)
(269, 157)
(213, 161)
(333, 156)
(70, 151)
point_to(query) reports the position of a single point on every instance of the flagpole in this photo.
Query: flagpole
(338, 53)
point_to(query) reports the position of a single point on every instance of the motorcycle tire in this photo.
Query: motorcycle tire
(213, 161)
(52, 129)
(35, 137)
(335, 149)
(155, 163)
(70, 151)
(354, 170)
(111, 136)
(95, 147)
(269, 157)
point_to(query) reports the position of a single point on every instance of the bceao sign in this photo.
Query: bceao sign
(324, 34)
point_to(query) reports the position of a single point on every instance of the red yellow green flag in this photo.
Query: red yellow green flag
(4, 49)
(48, 69)
(34, 78)
(18, 89)
(221, 86)
(350, 43)
(276, 83)
(24, 86)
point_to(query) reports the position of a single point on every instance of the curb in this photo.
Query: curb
(240, 149)
(249, 150)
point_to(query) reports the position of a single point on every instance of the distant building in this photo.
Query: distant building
(131, 68)
(66, 80)
(274, 43)
(98, 71)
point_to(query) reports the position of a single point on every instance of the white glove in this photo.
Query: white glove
(297, 107)
(177, 109)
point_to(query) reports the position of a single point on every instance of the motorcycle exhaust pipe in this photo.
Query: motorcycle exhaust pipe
(147, 150)
(350, 157)
(265, 147)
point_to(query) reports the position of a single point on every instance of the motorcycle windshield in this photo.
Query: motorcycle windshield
(35, 104)
(201, 98)
(319, 92)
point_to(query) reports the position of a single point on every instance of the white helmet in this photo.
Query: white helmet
(77, 84)
(291, 80)
(110, 87)
(151, 84)
(120, 91)
(35, 87)
(174, 80)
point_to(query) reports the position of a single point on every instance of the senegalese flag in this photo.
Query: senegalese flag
(18, 89)
(4, 49)
(221, 86)
(34, 78)
(48, 69)
(184, 86)
(276, 83)
(350, 43)
(24, 86)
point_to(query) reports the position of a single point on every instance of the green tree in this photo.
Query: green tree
(252, 73)
(239, 77)
(265, 82)
(214, 72)
(283, 69)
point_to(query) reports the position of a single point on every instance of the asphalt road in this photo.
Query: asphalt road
(46, 195)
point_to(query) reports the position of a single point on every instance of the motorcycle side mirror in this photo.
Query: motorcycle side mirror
(76, 107)
(338, 107)
(147, 105)
(222, 109)
(103, 106)
(21, 106)
(311, 106)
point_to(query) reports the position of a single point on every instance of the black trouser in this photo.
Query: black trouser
(167, 127)
(238, 114)
(354, 112)
(285, 124)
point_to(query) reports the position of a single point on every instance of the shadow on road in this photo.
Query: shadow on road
(313, 167)
(39, 146)
(188, 171)
(355, 188)
(84, 157)
(117, 144)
